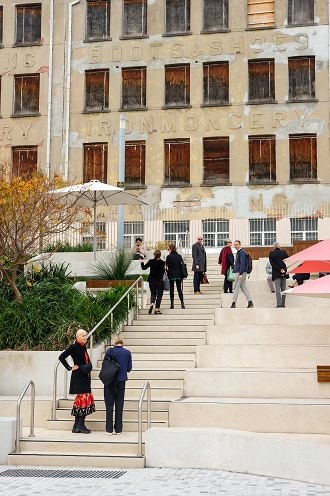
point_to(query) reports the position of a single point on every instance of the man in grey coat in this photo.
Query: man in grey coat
(199, 263)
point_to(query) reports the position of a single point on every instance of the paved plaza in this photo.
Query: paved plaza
(153, 482)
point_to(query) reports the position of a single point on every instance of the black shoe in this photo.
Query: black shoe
(172, 306)
(157, 312)
(182, 305)
(250, 304)
(81, 426)
(233, 305)
(151, 309)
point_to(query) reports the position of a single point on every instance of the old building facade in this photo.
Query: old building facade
(226, 105)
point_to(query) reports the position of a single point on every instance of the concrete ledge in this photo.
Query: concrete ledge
(296, 457)
(8, 437)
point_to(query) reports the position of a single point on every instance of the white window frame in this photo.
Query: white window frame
(217, 233)
(132, 230)
(306, 233)
(262, 232)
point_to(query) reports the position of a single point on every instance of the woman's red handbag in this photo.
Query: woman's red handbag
(204, 279)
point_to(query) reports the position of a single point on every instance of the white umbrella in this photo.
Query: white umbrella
(95, 193)
(317, 288)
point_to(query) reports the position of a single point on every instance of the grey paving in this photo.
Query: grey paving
(158, 482)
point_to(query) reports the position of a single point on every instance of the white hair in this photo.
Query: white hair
(80, 332)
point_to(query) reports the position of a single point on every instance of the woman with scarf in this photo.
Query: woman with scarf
(226, 260)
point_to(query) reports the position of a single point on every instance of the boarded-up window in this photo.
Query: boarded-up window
(135, 152)
(97, 90)
(95, 162)
(300, 12)
(177, 161)
(303, 157)
(28, 24)
(1, 23)
(262, 159)
(98, 19)
(25, 160)
(177, 16)
(26, 94)
(177, 85)
(261, 13)
(0, 95)
(134, 88)
(301, 78)
(216, 83)
(134, 18)
(216, 159)
(261, 81)
(215, 15)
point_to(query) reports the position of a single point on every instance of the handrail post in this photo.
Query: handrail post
(33, 402)
(55, 392)
(65, 384)
(142, 294)
(91, 348)
(18, 413)
(145, 388)
(128, 304)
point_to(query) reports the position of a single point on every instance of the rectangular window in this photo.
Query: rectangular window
(216, 160)
(134, 88)
(0, 95)
(215, 231)
(177, 232)
(304, 229)
(95, 162)
(262, 159)
(215, 15)
(26, 100)
(177, 85)
(98, 20)
(261, 14)
(303, 157)
(177, 16)
(135, 155)
(262, 232)
(216, 83)
(177, 161)
(300, 12)
(134, 18)
(132, 230)
(261, 81)
(28, 24)
(87, 230)
(25, 160)
(97, 90)
(301, 78)
(1, 24)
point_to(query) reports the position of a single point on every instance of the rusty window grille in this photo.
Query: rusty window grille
(177, 161)
(177, 16)
(262, 232)
(177, 85)
(215, 231)
(97, 90)
(303, 157)
(261, 81)
(216, 83)
(300, 12)
(87, 229)
(134, 18)
(305, 229)
(98, 20)
(260, 14)
(24, 160)
(135, 153)
(26, 98)
(301, 78)
(215, 15)
(262, 159)
(1, 24)
(28, 24)
(132, 230)
(177, 232)
(95, 162)
(134, 88)
(216, 159)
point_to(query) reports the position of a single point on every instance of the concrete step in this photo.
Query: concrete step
(267, 356)
(299, 416)
(268, 300)
(162, 364)
(163, 348)
(180, 311)
(139, 383)
(180, 330)
(190, 297)
(238, 316)
(99, 425)
(148, 375)
(158, 404)
(269, 334)
(192, 319)
(68, 459)
(128, 415)
(143, 336)
(159, 344)
(254, 383)
(164, 393)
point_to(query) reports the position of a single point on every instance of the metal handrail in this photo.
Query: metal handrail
(147, 388)
(18, 413)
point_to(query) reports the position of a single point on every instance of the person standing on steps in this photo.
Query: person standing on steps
(269, 272)
(199, 263)
(155, 279)
(80, 383)
(279, 272)
(226, 260)
(241, 269)
(174, 264)
(114, 395)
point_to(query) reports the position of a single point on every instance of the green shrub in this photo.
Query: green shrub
(67, 247)
(115, 267)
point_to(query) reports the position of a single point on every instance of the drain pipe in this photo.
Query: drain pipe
(50, 85)
(68, 90)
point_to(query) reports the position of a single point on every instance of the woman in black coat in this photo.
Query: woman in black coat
(174, 265)
(80, 383)
(155, 279)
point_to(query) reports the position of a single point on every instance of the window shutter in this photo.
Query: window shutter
(215, 15)
(95, 162)
(135, 162)
(135, 18)
(98, 19)
(25, 160)
(177, 161)
(260, 13)
(216, 159)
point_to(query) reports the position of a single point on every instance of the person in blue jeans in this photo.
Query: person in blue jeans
(114, 395)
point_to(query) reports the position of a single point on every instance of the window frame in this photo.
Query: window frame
(249, 14)
(106, 90)
(226, 142)
(27, 43)
(144, 20)
(304, 234)
(291, 13)
(293, 77)
(272, 158)
(143, 93)
(271, 82)
(137, 232)
(22, 149)
(107, 17)
(1, 26)
(224, 65)
(187, 21)
(178, 235)
(262, 232)
(87, 235)
(21, 112)
(186, 80)
(215, 238)
(104, 166)
(225, 15)
(142, 146)
(167, 158)
(313, 154)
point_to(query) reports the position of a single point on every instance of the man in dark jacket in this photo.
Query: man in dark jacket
(241, 268)
(279, 271)
(115, 393)
(199, 263)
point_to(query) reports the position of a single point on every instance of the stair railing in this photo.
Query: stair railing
(146, 388)
(18, 413)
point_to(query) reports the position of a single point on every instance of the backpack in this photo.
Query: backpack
(249, 263)
(108, 373)
(184, 270)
